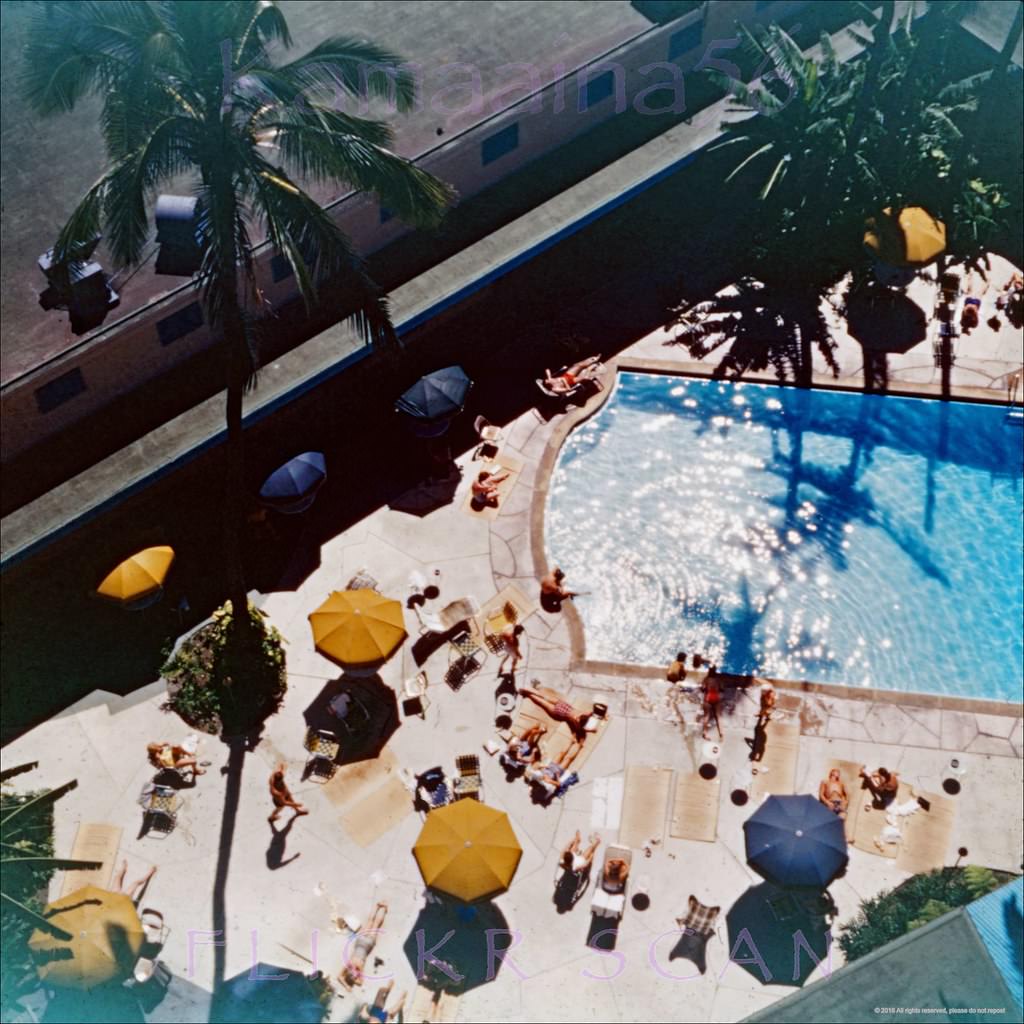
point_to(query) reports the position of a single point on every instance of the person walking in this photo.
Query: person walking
(282, 795)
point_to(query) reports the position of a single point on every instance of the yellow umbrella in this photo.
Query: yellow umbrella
(106, 937)
(910, 239)
(139, 576)
(358, 627)
(467, 850)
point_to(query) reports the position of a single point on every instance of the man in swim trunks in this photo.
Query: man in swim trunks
(585, 369)
(884, 785)
(377, 1011)
(832, 793)
(282, 795)
(552, 590)
(559, 710)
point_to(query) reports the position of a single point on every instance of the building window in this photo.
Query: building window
(599, 89)
(177, 325)
(60, 390)
(499, 144)
(280, 268)
(685, 40)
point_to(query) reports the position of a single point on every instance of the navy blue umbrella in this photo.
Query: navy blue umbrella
(437, 396)
(796, 840)
(293, 486)
(265, 993)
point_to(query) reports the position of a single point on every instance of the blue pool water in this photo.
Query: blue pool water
(835, 537)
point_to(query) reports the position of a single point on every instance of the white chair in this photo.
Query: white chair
(490, 436)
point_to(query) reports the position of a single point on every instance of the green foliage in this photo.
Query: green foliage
(917, 901)
(225, 680)
(26, 867)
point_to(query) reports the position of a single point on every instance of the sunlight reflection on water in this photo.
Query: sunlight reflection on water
(825, 536)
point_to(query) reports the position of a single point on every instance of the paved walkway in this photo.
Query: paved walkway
(221, 870)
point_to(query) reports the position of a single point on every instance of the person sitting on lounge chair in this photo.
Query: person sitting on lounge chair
(164, 755)
(485, 488)
(576, 860)
(351, 974)
(564, 382)
(550, 775)
(616, 871)
(525, 750)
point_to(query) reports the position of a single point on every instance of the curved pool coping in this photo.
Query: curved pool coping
(574, 621)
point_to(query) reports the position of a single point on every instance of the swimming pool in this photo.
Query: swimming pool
(828, 536)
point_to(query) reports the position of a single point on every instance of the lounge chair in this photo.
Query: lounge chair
(561, 395)
(362, 580)
(323, 748)
(432, 789)
(490, 437)
(149, 968)
(610, 900)
(160, 814)
(469, 782)
(415, 700)
(699, 924)
(570, 886)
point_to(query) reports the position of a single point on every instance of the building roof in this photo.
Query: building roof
(999, 920)
(952, 963)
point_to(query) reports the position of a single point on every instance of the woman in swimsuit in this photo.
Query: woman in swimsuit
(971, 313)
(712, 698)
(576, 861)
(616, 871)
(551, 774)
(164, 755)
(366, 938)
(526, 749)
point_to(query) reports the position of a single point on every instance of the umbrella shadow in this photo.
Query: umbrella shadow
(884, 320)
(371, 720)
(106, 1004)
(467, 939)
(778, 935)
(268, 993)
(429, 494)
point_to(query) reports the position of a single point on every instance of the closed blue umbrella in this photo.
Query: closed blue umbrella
(796, 840)
(293, 486)
(438, 396)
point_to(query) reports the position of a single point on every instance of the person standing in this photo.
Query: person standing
(282, 795)
(712, 698)
(512, 648)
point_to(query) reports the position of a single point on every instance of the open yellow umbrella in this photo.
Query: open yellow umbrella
(106, 937)
(467, 850)
(911, 238)
(138, 577)
(358, 627)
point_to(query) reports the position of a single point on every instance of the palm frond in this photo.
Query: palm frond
(356, 67)
(37, 802)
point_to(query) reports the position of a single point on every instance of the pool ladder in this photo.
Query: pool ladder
(1014, 398)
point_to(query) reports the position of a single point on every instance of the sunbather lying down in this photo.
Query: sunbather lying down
(586, 369)
(559, 710)
(550, 775)
(351, 974)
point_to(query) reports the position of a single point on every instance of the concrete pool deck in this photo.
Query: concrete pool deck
(219, 869)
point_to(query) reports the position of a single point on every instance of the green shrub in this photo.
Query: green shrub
(33, 837)
(914, 903)
(219, 682)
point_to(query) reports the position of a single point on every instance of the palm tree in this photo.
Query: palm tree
(26, 841)
(191, 87)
